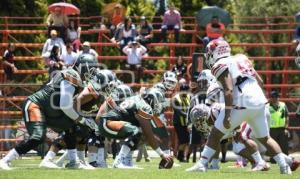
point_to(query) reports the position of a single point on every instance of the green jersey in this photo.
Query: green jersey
(128, 110)
(48, 98)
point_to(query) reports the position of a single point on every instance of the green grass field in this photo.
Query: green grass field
(27, 168)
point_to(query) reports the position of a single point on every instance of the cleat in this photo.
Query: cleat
(60, 164)
(261, 167)
(214, 167)
(122, 166)
(198, 167)
(102, 164)
(79, 165)
(147, 159)
(285, 170)
(49, 164)
(295, 165)
(4, 165)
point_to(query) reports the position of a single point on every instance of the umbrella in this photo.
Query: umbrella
(205, 14)
(66, 8)
(108, 10)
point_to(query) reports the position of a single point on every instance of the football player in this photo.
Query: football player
(93, 95)
(238, 79)
(131, 120)
(51, 106)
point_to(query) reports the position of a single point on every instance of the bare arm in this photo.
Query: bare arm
(147, 129)
(226, 82)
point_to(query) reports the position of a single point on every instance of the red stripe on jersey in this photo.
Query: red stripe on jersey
(217, 68)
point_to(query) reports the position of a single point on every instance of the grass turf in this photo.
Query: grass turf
(27, 168)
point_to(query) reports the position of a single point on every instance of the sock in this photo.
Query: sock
(122, 154)
(11, 155)
(100, 155)
(50, 155)
(257, 157)
(239, 159)
(168, 151)
(289, 160)
(62, 158)
(80, 155)
(206, 155)
(280, 160)
(128, 159)
(215, 162)
(92, 157)
(72, 154)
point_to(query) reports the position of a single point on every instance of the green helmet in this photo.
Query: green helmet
(85, 64)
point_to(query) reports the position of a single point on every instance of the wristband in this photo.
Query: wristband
(159, 151)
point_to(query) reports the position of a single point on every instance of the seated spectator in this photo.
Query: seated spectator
(214, 30)
(135, 52)
(171, 21)
(145, 32)
(8, 62)
(53, 40)
(73, 35)
(180, 68)
(70, 57)
(125, 33)
(58, 21)
(117, 18)
(54, 61)
(86, 48)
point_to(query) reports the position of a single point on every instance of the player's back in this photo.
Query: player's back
(246, 91)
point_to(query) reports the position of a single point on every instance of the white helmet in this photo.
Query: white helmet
(169, 80)
(199, 116)
(206, 78)
(215, 50)
(121, 92)
(156, 99)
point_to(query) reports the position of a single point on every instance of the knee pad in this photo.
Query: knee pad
(70, 140)
(97, 141)
(237, 147)
(59, 142)
(133, 141)
(24, 147)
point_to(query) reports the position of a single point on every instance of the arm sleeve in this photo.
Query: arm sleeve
(66, 99)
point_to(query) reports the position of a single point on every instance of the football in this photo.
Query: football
(165, 164)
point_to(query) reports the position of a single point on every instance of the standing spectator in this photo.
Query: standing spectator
(171, 21)
(8, 62)
(54, 62)
(180, 68)
(58, 21)
(125, 33)
(279, 121)
(135, 52)
(54, 40)
(73, 35)
(180, 108)
(145, 32)
(86, 48)
(117, 17)
(70, 57)
(214, 30)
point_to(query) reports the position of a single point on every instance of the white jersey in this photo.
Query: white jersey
(246, 91)
(214, 94)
